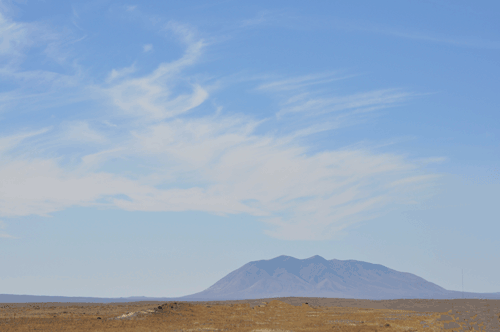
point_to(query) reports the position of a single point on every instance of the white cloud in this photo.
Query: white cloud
(151, 96)
(265, 176)
(360, 102)
(79, 131)
(442, 39)
(14, 37)
(95, 159)
(9, 142)
(261, 18)
(234, 171)
(217, 163)
(414, 179)
(5, 235)
(301, 82)
(120, 73)
(147, 48)
(459, 41)
(306, 96)
(267, 17)
(41, 187)
(37, 88)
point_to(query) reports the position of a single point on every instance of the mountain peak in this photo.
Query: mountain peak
(315, 276)
(316, 258)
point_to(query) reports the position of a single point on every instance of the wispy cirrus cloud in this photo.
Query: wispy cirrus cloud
(80, 131)
(151, 95)
(17, 37)
(230, 170)
(116, 74)
(359, 102)
(295, 83)
(307, 95)
(174, 159)
(407, 33)
(4, 235)
(29, 87)
(10, 142)
(438, 38)
(301, 22)
(263, 17)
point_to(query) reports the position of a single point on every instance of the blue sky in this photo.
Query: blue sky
(150, 148)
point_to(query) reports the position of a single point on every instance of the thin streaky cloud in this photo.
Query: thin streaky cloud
(5, 235)
(414, 179)
(15, 37)
(263, 17)
(307, 95)
(432, 160)
(80, 131)
(286, 19)
(96, 159)
(149, 95)
(367, 101)
(219, 163)
(302, 82)
(282, 18)
(456, 41)
(459, 41)
(116, 74)
(304, 22)
(11, 142)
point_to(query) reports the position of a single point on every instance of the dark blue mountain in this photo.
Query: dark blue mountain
(11, 298)
(286, 276)
(317, 277)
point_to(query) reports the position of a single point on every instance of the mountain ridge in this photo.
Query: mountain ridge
(286, 276)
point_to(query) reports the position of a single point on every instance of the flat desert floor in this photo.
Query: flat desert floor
(263, 315)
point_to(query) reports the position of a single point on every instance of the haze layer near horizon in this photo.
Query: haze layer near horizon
(148, 149)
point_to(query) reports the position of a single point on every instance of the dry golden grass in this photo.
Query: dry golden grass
(275, 316)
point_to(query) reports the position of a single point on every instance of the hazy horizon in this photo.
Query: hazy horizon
(150, 148)
(286, 276)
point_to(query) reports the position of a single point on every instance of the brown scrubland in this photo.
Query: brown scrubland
(289, 314)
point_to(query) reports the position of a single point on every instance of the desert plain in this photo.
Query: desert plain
(262, 315)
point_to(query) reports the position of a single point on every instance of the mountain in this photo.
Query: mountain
(11, 298)
(285, 276)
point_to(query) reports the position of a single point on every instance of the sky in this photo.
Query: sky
(149, 148)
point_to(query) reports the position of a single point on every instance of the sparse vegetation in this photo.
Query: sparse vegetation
(182, 316)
